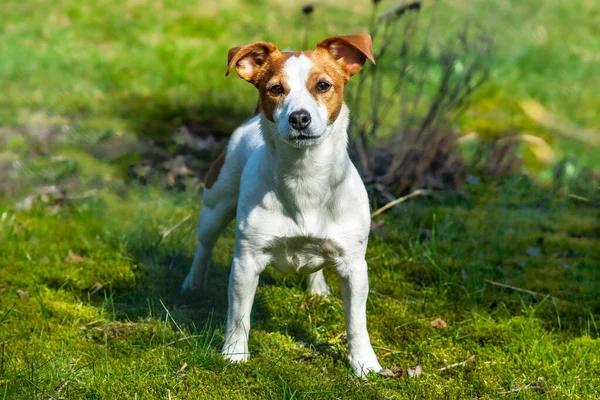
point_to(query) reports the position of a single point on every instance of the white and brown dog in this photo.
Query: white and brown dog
(300, 203)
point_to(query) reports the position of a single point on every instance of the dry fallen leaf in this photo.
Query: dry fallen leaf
(414, 371)
(180, 371)
(438, 323)
(395, 374)
(2, 289)
(23, 295)
(74, 258)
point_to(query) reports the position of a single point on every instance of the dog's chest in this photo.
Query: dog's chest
(302, 254)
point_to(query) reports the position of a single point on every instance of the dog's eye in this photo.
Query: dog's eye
(277, 90)
(322, 87)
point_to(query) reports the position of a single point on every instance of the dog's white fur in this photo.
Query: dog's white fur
(299, 207)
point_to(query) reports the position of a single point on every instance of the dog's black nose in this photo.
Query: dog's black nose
(299, 119)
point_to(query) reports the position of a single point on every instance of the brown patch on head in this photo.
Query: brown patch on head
(272, 75)
(334, 61)
(213, 173)
(249, 60)
(326, 70)
(260, 64)
(350, 52)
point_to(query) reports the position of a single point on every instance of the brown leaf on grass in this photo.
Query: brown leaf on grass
(438, 323)
(22, 294)
(180, 372)
(74, 258)
(2, 289)
(397, 373)
(414, 371)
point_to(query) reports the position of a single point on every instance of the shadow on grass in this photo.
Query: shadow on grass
(157, 294)
(158, 116)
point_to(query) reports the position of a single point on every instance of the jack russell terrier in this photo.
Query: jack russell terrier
(286, 175)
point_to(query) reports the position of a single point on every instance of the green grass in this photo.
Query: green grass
(112, 324)
(107, 321)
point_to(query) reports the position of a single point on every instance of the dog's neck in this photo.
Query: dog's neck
(306, 177)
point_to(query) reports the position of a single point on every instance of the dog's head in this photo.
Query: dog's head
(302, 93)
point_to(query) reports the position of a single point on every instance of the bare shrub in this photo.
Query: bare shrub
(403, 107)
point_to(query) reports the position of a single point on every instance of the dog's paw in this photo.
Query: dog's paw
(363, 364)
(320, 289)
(235, 349)
(238, 357)
(317, 285)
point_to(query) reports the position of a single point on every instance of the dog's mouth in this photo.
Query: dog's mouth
(303, 140)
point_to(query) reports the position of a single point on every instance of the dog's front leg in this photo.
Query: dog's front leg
(354, 283)
(243, 281)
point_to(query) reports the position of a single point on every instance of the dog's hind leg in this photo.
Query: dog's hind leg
(220, 198)
(316, 284)
(210, 224)
(220, 201)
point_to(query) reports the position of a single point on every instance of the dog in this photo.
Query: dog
(299, 202)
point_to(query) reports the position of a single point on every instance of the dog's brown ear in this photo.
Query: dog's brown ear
(351, 52)
(249, 59)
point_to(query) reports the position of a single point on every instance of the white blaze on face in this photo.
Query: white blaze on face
(297, 70)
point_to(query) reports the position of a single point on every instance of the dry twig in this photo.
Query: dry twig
(172, 342)
(399, 200)
(518, 289)
(518, 389)
(458, 364)
(384, 296)
(577, 197)
(177, 225)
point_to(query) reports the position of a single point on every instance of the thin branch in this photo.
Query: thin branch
(177, 225)
(384, 296)
(458, 364)
(41, 390)
(518, 389)
(518, 289)
(166, 233)
(400, 200)
(181, 339)
(577, 197)
(582, 199)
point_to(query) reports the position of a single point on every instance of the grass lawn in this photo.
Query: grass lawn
(89, 277)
